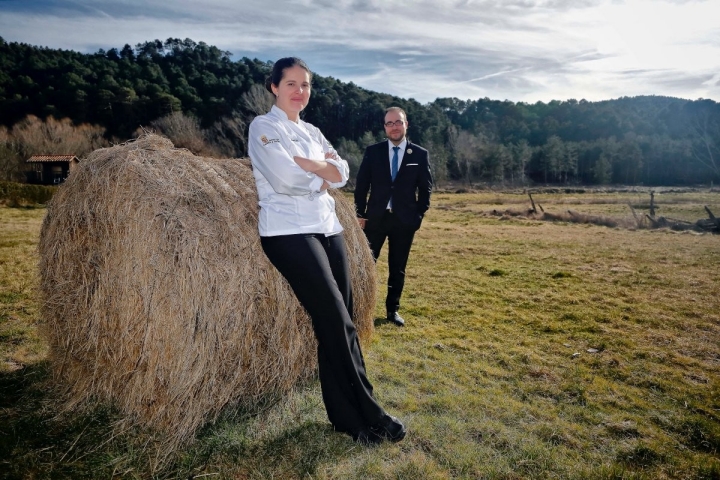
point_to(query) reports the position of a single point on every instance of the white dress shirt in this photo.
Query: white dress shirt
(401, 152)
(290, 198)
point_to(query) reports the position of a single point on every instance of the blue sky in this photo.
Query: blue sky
(518, 50)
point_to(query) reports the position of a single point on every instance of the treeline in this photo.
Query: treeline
(203, 100)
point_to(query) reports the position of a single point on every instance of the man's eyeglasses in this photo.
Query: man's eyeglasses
(396, 123)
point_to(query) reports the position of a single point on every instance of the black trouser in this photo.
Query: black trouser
(316, 268)
(400, 238)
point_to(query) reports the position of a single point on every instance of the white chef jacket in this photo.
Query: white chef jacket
(289, 197)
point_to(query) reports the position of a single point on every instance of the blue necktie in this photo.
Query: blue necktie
(394, 164)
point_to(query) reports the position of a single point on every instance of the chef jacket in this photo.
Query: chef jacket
(290, 198)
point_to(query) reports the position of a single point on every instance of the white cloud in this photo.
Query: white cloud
(521, 50)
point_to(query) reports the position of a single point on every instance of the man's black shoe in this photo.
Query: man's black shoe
(367, 437)
(389, 428)
(395, 318)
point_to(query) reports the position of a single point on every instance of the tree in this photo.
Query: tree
(706, 145)
(435, 140)
(184, 132)
(549, 159)
(664, 140)
(258, 100)
(351, 153)
(439, 158)
(227, 137)
(11, 165)
(465, 148)
(57, 137)
(602, 172)
(568, 162)
(521, 155)
(496, 160)
(367, 139)
(630, 160)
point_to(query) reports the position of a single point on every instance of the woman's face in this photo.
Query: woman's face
(293, 92)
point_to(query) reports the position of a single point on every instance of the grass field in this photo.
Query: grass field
(532, 350)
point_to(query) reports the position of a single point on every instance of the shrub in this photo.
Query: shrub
(21, 194)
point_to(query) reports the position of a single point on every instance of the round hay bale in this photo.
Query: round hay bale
(158, 298)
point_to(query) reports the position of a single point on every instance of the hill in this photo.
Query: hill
(650, 140)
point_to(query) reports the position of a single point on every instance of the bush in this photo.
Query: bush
(22, 194)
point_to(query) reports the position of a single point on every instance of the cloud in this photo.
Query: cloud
(522, 50)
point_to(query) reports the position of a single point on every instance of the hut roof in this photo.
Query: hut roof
(52, 158)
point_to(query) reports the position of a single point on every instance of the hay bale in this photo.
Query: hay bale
(158, 298)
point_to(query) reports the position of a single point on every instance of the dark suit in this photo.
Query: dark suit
(410, 194)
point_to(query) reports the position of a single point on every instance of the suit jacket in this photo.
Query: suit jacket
(410, 191)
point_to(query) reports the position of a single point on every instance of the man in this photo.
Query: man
(397, 175)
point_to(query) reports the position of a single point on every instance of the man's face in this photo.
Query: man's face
(395, 126)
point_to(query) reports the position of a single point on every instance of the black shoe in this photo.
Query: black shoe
(395, 318)
(367, 437)
(389, 428)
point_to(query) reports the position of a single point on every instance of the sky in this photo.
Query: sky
(517, 50)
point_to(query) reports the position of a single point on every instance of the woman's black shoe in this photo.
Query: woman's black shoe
(389, 428)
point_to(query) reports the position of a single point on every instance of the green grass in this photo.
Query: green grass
(532, 350)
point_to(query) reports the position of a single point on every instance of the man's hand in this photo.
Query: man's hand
(362, 222)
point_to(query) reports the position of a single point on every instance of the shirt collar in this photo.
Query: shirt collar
(402, 145)
(280, 113)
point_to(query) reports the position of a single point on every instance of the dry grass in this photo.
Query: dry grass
(493, 374)
(19, 343)
(679, 209)
(158, 299)
(501, 308)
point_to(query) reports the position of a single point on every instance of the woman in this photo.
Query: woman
(294, 165)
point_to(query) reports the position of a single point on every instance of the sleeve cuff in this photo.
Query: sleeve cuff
(344, 172)
(316, 183)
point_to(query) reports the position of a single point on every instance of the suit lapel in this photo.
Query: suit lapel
(386, 160)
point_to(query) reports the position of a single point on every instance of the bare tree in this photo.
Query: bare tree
(465, 147)
(10, 157)
(227, 137)
(438, 162)
(351, 153)
(258, 100)
(184, 132)
(57, 137)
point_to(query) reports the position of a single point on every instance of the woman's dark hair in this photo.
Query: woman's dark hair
(279, 69)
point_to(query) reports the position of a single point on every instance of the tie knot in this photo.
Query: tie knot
(396, 149)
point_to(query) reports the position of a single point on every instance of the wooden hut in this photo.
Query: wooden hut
(50, 169)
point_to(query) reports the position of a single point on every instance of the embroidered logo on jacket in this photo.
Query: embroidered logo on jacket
(266, 141)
